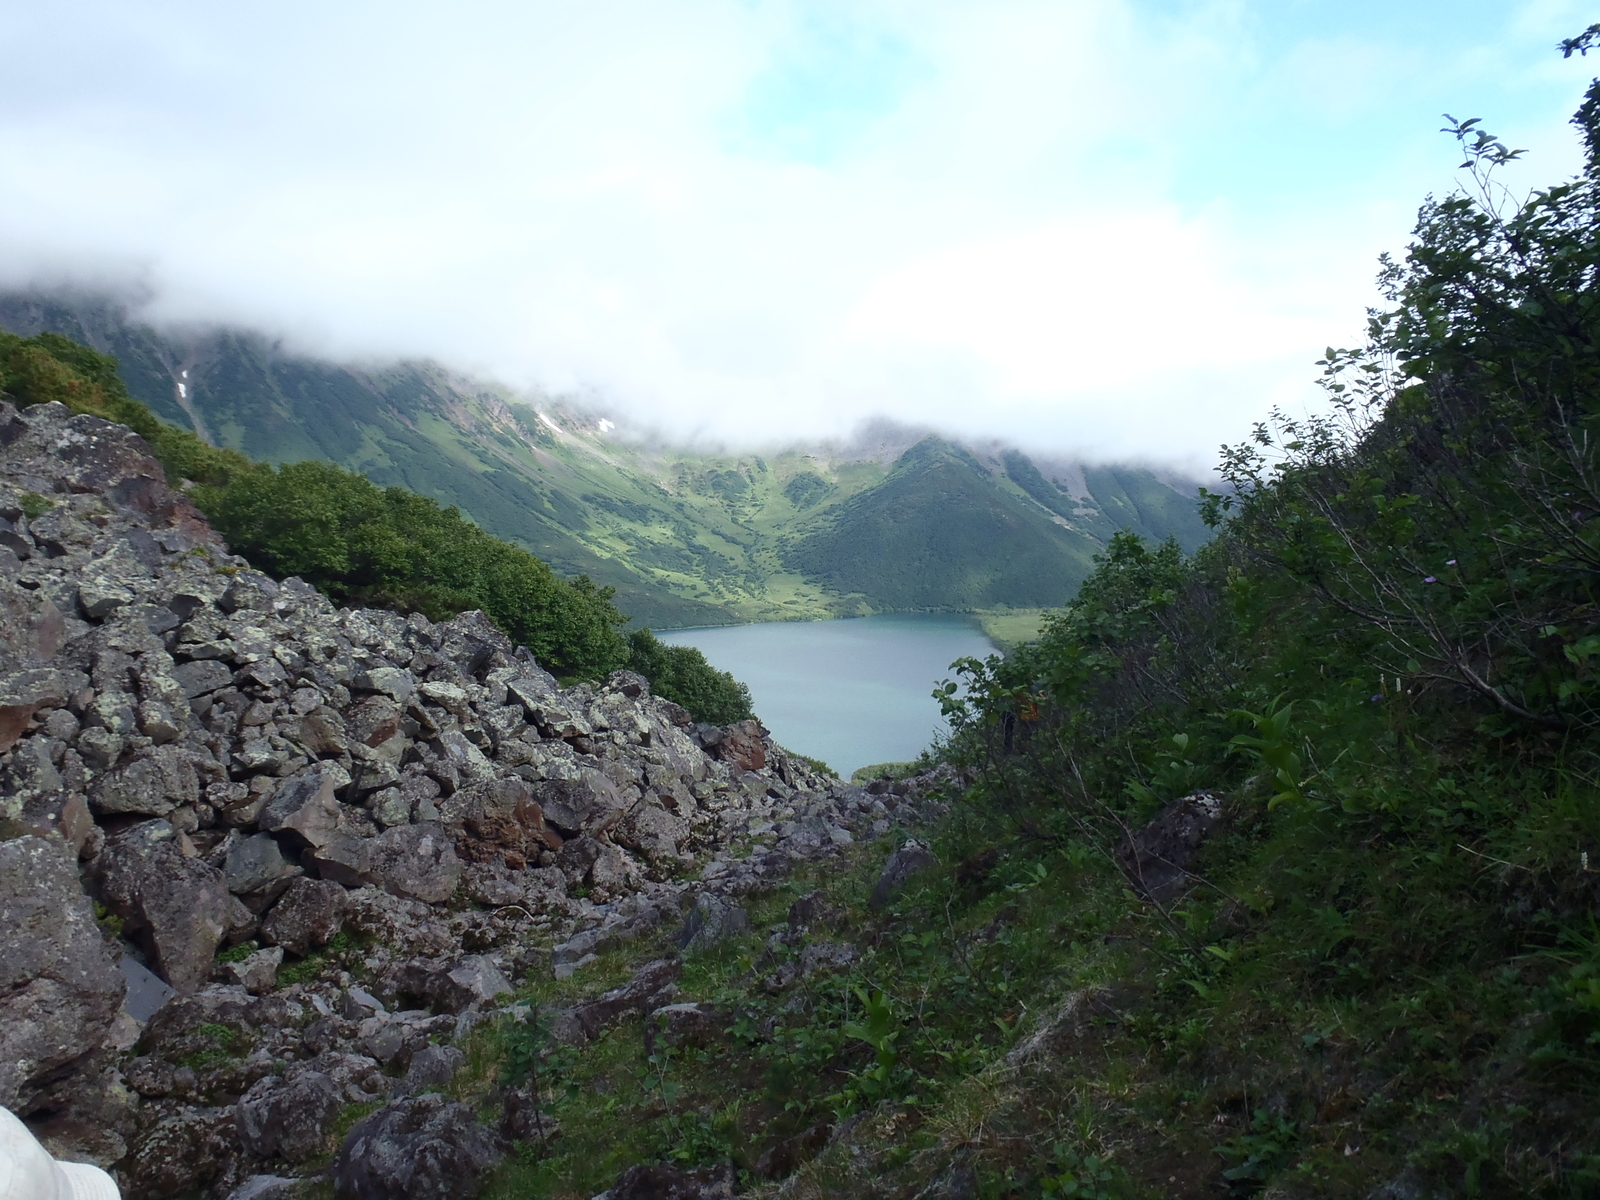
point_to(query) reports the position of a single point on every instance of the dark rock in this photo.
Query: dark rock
(176, 906)
(202, 676)
(60, 990)
(255, 866)
(589, 804)
(652, 986)
(905, 862)
(743, 746)
(416, 861)
(712, 920)
(431, 1070)
(522, 1120)
(1158, 858)
(425, 1148)
(812, 911)
(663, 1181)
(469, 982)
(309, 915)
(595, 864)
(303, 808)
(147, 991)
(181, 1154)
(286, 1116)
(343, 858)
(781, 1158)
(677, 1026)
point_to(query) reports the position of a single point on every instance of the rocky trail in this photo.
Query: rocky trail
(263, 859)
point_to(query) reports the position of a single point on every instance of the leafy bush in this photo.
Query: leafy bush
(1388, 665)
(391, 548)
(682, 674)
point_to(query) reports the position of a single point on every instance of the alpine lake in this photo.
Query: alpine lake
(850, 692)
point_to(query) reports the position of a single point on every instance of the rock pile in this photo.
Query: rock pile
(228, 773)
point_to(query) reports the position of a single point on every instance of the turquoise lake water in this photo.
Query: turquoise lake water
(848, 692)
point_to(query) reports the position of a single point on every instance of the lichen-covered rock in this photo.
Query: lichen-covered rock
(905, 862)
(424, 1148)
(416, 861)
(664, 1181)
(60, 989)
(187, 1150)
(309, 915)
(286, 1116)
(713, 919)
(1158, 858)
(176, 905)
(588, 803)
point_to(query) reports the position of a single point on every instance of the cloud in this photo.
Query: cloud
(1112, 226)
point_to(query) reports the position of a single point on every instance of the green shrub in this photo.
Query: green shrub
(682, 674)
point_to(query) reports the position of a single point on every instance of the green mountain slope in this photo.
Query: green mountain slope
(686, 537)
(939, 533)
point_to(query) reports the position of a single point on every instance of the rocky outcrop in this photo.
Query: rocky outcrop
(1158, 858)
(425, 1148)
(905, 862)
(402, 818)
(60, 989)
(663, 1181)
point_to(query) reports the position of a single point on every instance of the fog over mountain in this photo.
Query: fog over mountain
(1111, 229)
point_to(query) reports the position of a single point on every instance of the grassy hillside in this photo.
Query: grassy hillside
(685, 537)
(1272, 872)
(938, 533)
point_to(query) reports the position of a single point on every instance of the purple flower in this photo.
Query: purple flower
(1430, 579)
(1375, 699)
(1451, 563)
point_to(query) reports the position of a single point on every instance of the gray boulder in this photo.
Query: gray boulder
(424, 1148)
(181, 1154)
(287, 1116)
(415, 861)
(897, 872)
(303, 808)
(712, 920)
(1158, 858)
(201, 677)
(176, 906)
(663, 1181)
(258, 973)
(156, 780)
(256, 868)
(431, 1070)
(589, 804)
(310, 913)
(676, 1026)
(60, 989)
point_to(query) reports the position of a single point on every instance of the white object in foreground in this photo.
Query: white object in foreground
(27, 1172)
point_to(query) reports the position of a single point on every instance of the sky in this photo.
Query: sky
(1111, 228)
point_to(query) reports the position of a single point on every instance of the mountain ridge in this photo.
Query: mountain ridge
(686, 536)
